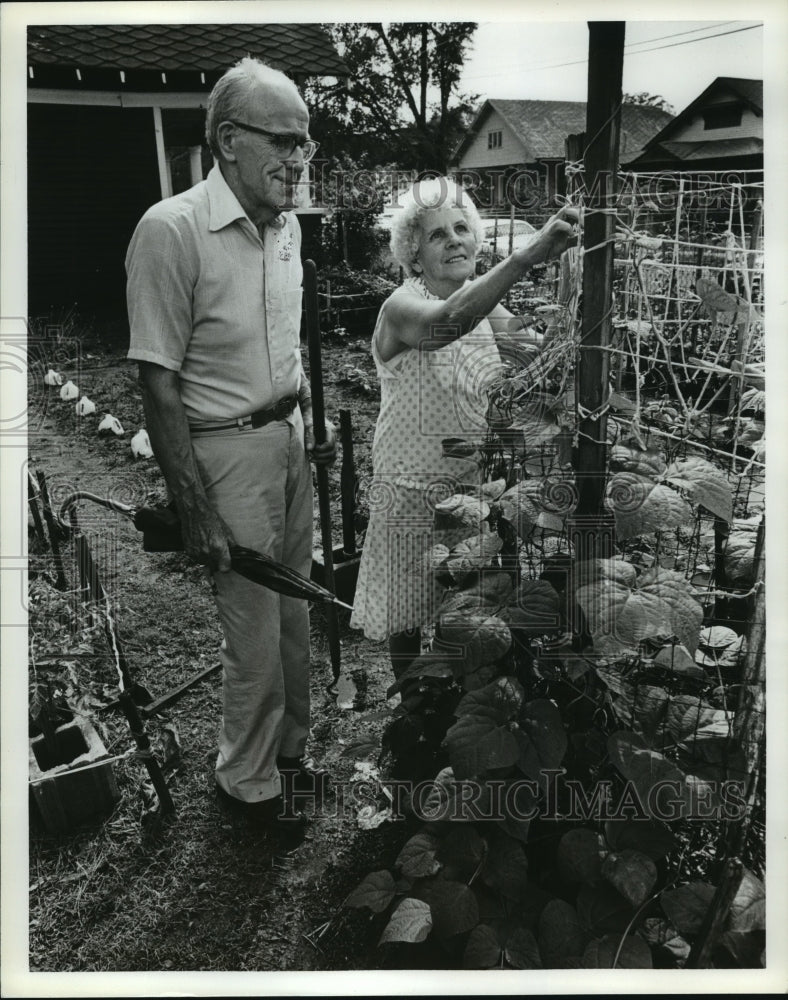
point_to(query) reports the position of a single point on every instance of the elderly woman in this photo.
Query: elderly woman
(436, 356)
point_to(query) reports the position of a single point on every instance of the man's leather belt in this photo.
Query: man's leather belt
(258, 419)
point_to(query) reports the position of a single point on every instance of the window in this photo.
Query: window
(722, 116)
(495, 139)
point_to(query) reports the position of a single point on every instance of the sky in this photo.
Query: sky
(548, 60)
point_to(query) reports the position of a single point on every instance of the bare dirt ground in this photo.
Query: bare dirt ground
(203, 891)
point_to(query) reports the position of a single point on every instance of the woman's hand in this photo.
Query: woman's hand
(553, 238)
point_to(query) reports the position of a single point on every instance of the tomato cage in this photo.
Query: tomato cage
(645, 615)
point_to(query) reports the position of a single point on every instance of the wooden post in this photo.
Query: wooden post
(56, 533)
(38, 524)
(605, 67)
(749, 722)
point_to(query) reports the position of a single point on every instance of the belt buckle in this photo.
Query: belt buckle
(282, 409)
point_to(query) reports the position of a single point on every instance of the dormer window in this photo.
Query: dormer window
(722, 116)
(495, 139)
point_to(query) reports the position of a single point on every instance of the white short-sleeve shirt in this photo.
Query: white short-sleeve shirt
(212, 300)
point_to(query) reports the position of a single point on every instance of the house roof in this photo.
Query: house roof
(297, 49)
(661, 148)
(748, 146)
(542, 126)
(748, 91)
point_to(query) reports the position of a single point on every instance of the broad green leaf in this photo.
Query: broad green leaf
(403, 733)
(714, 759)
(649, 464)
(729, 656)
(632, 873)
(702, 721)
(436, 802)
(667, 588)
(541, 738)
(506, 869)
(717, 300)
(463, 511)
(491, 492)
(520, 807)
(435, 559)
(658, 933)
(560, 933)
(639, 706)
(747, 947)
(686, 906)
(375, 892)
(417, 857)
(615, 570)
(410, 922)
(579, 857)
(519, 506)
(678, 660)
(428, 664)
(739, 558)
(649, 837)
(480, 639)
(482, 950)
(705, 483)
(452, 904)
(461, 852)
(499, 701)
(633, 954)
(472, 554)
(748, 910)
(537, 417)
(459, 517)
(481, 738)
(601, 910)
(619, 616)
(491, 590)
(642, 507)
(521, 950)
(535, 610)
(656, 780)
(621, 403)
(477, 744)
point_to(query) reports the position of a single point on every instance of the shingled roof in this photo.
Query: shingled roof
(297, 49)
(750, 92)
(542, 126)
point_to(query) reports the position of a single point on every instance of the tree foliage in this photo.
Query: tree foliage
(645, 100)
(402, 95)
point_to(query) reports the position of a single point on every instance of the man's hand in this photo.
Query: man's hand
(206, 538)
(324, 453)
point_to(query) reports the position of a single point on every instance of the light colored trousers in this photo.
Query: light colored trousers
(260, 482)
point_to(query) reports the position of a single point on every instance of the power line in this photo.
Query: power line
(644, 41)
(676, 34)
(656, 48)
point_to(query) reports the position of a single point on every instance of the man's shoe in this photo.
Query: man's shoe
(275, 815)
(302, 776)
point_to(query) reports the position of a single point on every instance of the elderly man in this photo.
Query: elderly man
(214, 299)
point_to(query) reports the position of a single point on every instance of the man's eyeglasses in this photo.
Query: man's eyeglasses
(284, 143)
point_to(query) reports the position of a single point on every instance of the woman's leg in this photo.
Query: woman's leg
(404, 647)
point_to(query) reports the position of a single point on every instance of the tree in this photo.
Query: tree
(402, 96)
(646, 100)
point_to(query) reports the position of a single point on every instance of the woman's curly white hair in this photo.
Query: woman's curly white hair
(433, 192)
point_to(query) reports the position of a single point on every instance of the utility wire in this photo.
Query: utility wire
(644, 41)
(656, 48)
